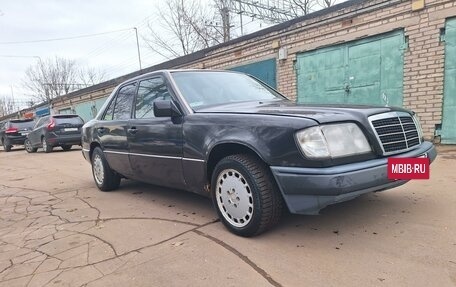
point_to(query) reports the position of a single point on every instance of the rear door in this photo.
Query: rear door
(35, 135)
(112, 130)
(155, 142)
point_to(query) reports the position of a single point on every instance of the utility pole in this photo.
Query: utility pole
(12, 99)
(225, 11)
(137, 46)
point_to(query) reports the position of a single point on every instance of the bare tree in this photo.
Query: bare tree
(90, 76)
(182, 27)
(58, 76)
(303, 7)
(326, 3)
(6, 106)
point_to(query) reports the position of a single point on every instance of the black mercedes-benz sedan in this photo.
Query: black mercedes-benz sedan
(229, 136)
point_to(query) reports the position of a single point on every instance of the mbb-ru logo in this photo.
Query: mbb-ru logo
(408, 168)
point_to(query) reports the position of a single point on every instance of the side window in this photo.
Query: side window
(124, 102)
(109, 111)
(37, 124)
(40, 122)
(149, 91)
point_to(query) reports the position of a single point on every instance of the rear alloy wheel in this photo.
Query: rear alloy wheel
(66, 147)
(28, 146)
(46, 147)
(245, 195)
(6, 145)
(105, 178)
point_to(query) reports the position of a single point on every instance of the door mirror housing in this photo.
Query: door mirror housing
(166, 108)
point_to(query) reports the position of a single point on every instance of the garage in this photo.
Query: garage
(368, 71)
(448, 133)
(263, 70)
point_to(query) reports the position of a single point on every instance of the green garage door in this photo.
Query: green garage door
(264, 70)
(368, 71)
(448, 133)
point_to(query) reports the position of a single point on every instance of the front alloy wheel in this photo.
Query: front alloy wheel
(234, 198)
(245, 195)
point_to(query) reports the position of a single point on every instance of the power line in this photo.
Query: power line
(63, 38)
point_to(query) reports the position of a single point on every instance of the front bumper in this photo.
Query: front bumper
(307, 190)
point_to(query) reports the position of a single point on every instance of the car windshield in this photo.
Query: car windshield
(75, 120)
(22, 124)
(202, 89)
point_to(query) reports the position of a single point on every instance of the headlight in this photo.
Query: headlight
(418, 126)
(335, 140)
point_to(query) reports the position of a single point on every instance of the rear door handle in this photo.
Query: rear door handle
(132, 130)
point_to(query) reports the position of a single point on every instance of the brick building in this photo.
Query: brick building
(383, 52)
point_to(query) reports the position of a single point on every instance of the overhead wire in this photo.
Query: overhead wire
(61, 38)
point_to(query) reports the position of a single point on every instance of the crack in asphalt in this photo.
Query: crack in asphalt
(56, 221)
(241, 256)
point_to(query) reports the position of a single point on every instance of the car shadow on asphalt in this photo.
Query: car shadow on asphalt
(366, 210)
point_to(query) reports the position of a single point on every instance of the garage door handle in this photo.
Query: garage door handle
(132, 130)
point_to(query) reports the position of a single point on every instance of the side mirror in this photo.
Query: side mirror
(166, 108)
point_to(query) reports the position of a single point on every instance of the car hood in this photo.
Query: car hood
(319, 113)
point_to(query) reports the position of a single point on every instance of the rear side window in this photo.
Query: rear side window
(124, 102)
(75, 120)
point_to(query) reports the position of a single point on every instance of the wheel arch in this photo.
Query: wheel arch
(93, 145)
(225, 149)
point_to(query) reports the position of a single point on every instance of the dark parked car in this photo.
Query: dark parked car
(229, 136)
(14, 132)
(55, 130)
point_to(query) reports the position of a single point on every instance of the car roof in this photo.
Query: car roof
(65, 116)
(143, 76)
(20, 120)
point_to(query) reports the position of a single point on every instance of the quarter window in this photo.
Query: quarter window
(149, 91)
(109, 111)
(124, 102)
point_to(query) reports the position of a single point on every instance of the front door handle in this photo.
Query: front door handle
(101, 130)
(132, 130)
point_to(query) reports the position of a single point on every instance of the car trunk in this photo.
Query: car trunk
(68, 125)
(19, 128)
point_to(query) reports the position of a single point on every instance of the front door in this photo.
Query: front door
(155, 142)
(112, 130)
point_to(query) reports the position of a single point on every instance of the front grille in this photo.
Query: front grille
(396, 131)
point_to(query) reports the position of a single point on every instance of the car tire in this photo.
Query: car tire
(245, 195)
(105, 178)
(46, 147)
(28, 146)
(66, 147)
(6, 145)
